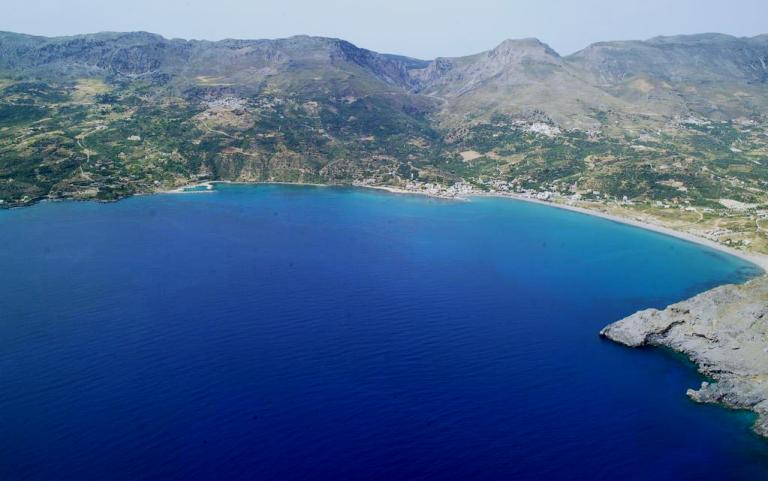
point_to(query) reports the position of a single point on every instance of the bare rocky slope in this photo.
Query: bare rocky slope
(725, 332)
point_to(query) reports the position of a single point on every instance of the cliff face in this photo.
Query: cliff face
(725, 332)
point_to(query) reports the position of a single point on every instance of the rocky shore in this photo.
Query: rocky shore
(725, 332)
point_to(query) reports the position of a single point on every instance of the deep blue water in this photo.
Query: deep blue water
(286, 333)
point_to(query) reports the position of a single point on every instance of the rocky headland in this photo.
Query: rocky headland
(725, 332)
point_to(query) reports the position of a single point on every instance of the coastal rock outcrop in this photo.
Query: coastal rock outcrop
(724, 331)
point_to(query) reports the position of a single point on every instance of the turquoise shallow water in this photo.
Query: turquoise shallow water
(279, 332)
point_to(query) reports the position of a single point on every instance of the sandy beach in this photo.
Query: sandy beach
(757, 259)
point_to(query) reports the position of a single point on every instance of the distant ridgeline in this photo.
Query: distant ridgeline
(675, 119)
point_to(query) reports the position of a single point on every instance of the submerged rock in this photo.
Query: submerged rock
(724, 331)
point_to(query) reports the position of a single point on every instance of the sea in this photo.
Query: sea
(274, 332)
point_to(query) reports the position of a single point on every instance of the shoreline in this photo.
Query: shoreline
(722, 331)
(759, 260)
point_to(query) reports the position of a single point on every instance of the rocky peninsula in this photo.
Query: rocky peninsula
(725, 332)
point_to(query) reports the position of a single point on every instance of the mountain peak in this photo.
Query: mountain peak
(524, 47)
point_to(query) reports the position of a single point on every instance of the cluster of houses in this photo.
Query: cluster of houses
(457, 190)
(228, 103)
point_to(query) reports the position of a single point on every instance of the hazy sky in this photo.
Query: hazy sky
(419, 28)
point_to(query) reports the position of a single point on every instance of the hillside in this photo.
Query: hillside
(669, 122)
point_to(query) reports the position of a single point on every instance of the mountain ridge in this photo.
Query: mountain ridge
(702, 35)
(679, 70)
